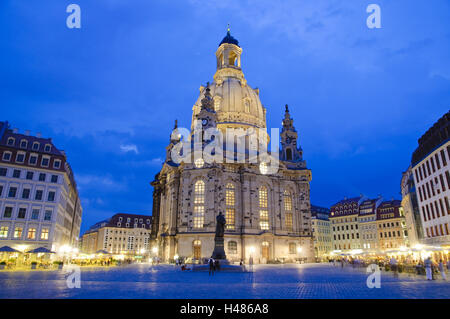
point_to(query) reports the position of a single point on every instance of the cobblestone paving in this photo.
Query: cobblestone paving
(267, 281)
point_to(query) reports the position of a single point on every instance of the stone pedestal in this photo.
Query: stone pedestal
(219, 250)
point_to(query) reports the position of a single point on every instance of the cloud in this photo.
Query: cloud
(129, 148)
(97, 181)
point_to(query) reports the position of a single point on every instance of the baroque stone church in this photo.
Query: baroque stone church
(267, 213)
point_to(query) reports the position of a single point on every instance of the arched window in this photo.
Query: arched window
(197, 246)
(288, 210)
(232, 247)
(230, 202)
(199, 204)
(263, 209)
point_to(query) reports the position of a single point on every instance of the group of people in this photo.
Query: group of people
(214, 265)
(427, 267)
(430, 267)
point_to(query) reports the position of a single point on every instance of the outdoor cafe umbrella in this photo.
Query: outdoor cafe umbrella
(40, 250)
(7, 249)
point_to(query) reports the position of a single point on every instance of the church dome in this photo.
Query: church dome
(229, 39)
(237, 105)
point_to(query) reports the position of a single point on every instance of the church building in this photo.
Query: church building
(268, 213)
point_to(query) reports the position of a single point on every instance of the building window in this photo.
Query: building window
(35, 214)
(20, 157)
(56, 163)
(26, 193)
(18, 232)
(3, 171)
(199, 204)
(1, 190)
(29, 175)
(35, 146)
(7, 156)
(32, 160)
(47, 148)
(45, 161)
(230, 205)
(44, 234)
(11, 141)
(12, 192)
(288, 210)
(16, 173)
(54, 179)
(263, 209)
(22, 213)
(8, 212)
(48, 215)
(4, 232)
(232, 247)
(292, 248)
(51, 196)
(38, 195)
(31, 233)
(42, 177)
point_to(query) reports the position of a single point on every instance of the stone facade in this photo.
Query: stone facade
(268, 213)
(39, 200)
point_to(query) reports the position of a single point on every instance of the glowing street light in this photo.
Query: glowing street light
(155, 250)
(299, 250)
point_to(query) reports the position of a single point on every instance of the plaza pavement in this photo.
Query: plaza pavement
(267, 281)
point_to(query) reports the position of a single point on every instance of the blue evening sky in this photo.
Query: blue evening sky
(108, 93)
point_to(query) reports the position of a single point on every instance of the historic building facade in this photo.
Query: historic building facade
(267, 213)
(39, 202)
(368, 225)
(391, 225)
(321, 229)
(125, 234)
(431, 166)
(344, 224)
(410, 206)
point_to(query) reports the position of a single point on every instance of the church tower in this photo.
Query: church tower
(289, 151)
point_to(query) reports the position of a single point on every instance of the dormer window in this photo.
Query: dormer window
(35, 146)
(23, 143)
(11, 141)
(47, 148)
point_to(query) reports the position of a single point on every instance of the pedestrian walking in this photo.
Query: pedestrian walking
(393, 263)
(442, 270)
(428, 263)
(211, 266)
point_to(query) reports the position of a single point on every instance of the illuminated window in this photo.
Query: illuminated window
(263, 209)
(4, 231)
(263, 168)
(18, 232)
(199, 204)
(288, 209)
(31, 233)
(44, 234)
(230, 203)
(199, 163)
